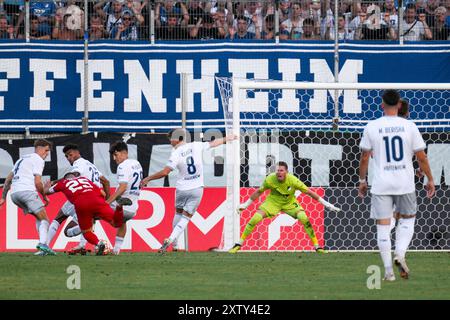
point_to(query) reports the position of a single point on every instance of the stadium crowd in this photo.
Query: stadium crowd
(226, 19)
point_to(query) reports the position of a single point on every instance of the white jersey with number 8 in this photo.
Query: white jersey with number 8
(393, 142)
(188, 159)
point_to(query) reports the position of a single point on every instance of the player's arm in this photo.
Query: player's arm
(318, 198)
(158, 175)
(255, 195)
(363, 167)
(119, 191)
(40, 188)
(220, 141)
(425, 168)
(106, 186)
(6, 187)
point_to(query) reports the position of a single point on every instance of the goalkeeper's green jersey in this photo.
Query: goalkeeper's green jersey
(282, 192)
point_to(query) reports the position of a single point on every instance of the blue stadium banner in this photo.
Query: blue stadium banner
(136, 87)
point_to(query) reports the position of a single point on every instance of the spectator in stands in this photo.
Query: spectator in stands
(284, 10)
(97, 29)
(343, 32)
(446, 4)
(373, 28)
(441, 30)
(431, 6)
(253, 14)
(11, 8)
(206, 29)
(45, 11)
(309, 30)
(361, 15)
(241, 32)
(127, 30)
(390, 13)
(195, 11)
(222, 20)
(111, 13)
(135, 7)
(268, 31)
(163, 10)
(61, 31)
(173, 30)
(292, 27)
(76, 19)
(6, 30)
(415, 29)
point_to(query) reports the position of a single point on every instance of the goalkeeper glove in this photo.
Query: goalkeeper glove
(329, 205)
(244, 205)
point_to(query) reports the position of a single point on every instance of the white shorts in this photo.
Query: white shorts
(127, 213)
(68, 209)
(188, 200)
(29, 201)
(382, 206)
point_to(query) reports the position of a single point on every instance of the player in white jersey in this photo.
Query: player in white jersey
(187, 158)
(393, 141)
(87, 170)
(25, 181)
(129, 176)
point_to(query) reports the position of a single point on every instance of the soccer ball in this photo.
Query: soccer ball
(108, 247)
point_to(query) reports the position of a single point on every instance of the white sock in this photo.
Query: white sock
(83, 242)
(403, 236)
(393, 221)
(74, 231)
(384, 244)
(43, 230)
(54, 226)
(118, 245)
(175, 221)
(179, 228)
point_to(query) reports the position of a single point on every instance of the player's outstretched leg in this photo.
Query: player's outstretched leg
(403, 237)
(42, 227)
(176, 232)
(303, 218)
(384, 244)
(176, 219)
(257, 218)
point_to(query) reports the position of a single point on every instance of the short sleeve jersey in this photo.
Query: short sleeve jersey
(393, 142)
(88, 170)
(130, 172)
(188, 159)
(75, 188)
(25, 169)
(282, 192)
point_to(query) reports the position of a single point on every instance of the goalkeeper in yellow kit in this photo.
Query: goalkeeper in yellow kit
(282, 186)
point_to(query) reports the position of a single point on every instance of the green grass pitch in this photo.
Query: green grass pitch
(222, 276)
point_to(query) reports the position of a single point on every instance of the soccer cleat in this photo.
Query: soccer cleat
(45, 248)
(389, 277)
(402, 267)
(101, 246)
(122, 201)
(77, 250)
(40, 253)
(321, 250)
(235, 248)
(164, 247)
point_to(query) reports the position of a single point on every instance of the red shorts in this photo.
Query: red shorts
(89, 208)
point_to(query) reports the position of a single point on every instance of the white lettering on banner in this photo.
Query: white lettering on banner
(348, 73)
(206, 224)
(12, 69)
(274, 230)
(439, 155)
(289, 68)
(12, 228)
(320, 155)
(258, 153)
(205, 86)
(151, 88)
(259, 69)
(6, 163)
(141, 226)
(40, 68)
(106, 100)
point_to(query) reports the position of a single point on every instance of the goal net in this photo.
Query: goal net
(316, 128)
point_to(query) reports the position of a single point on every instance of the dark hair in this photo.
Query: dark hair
(42, 143)
(410, 6)
(118, 146)
(391, 97)
(308, 21)
(71, 146)
(242, 18)
(403, 111)
(33, 17)
(178, 134)
(282, 164)
(270, 18)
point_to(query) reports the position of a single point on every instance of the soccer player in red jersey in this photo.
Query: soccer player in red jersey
(89, 204)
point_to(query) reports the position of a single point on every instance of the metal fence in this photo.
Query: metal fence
(276, 20)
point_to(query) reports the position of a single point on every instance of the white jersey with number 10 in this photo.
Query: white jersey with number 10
(188, 159)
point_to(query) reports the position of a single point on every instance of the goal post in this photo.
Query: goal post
(293, 122)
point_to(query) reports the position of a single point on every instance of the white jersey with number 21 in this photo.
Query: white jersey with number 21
(393, 142)
(188, 159)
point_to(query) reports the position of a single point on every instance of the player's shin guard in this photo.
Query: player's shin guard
(257, 217)
(384, 244)
(118, 245)
(91, 237)
(54, 226)
(74, 231)
(403, 236)
(42, 227)
(179, 228)
(303, 218)
(118, 217)
(176, 219)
